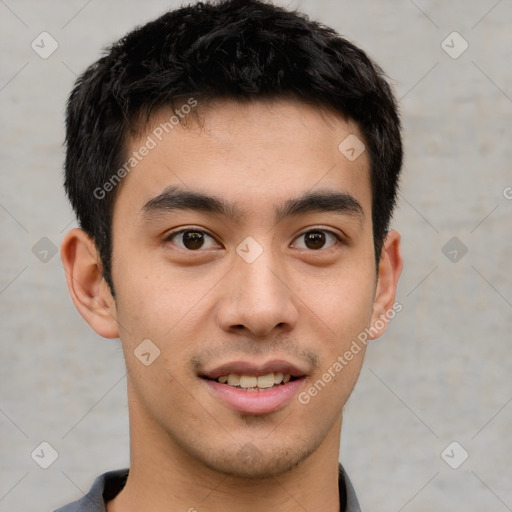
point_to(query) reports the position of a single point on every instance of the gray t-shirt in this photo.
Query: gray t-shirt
(107, 486)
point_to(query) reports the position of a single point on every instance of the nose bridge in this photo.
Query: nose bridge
(257, 276)
(259, 300)
(260, 276)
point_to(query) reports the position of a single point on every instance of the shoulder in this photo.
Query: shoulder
(104, 488)
(347, 492)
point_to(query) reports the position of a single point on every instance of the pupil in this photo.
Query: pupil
(315, 239)
(193, 239)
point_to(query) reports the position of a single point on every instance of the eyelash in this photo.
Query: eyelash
(170, 237)
(181, 231)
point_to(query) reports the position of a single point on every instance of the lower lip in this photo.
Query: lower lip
(255, 402)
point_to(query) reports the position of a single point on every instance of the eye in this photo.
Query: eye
(316, 239)
(192, 240)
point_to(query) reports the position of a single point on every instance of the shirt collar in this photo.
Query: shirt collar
(345, 487)
(107, 486)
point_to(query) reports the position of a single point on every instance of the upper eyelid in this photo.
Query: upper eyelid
(184, 230)
(170, 238)
(339, 238)
(326, 230)
(201, 230)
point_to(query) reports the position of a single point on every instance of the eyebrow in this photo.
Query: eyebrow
(312, 202)
(175, 198)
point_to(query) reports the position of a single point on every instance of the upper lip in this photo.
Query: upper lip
(250, 368)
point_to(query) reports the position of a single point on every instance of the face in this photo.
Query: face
(243, 247)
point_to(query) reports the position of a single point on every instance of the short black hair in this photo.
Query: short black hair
(231, 49)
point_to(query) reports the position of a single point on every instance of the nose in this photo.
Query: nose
(257, 298)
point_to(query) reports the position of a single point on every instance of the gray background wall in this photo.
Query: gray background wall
(442, 371)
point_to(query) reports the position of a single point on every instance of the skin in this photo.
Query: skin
(208, 306)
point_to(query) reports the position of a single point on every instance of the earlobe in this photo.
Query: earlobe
(390, 268)
(88, 290)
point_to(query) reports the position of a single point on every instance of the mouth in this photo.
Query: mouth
(253, 382)
(254, 389)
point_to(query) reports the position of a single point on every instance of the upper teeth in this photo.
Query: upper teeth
(251, 381)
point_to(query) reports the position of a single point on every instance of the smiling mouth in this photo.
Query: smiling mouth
(248, 388)
(255, 383)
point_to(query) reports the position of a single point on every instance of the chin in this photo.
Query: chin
(253, 463)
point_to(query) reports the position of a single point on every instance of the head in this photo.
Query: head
(228, 120)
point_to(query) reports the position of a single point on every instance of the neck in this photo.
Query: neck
(165, 477)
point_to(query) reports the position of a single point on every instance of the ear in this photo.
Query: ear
(390, 268)
(89, 291)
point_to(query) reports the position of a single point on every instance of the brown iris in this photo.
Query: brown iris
(314, 239)
(193, 239)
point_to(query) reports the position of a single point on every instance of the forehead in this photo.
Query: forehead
(251, 153)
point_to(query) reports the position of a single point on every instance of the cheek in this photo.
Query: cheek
(345, 313)
(156, 303)
(343, 307)
(342, 301)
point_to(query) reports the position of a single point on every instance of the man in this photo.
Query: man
(234, 168)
